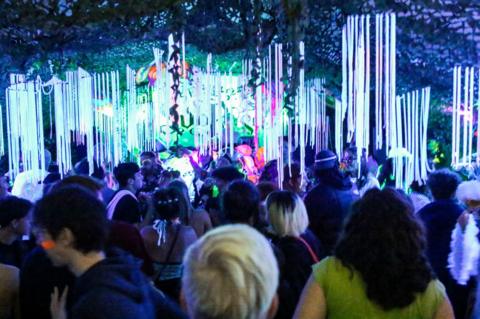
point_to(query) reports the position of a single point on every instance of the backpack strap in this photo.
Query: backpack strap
(309, 248)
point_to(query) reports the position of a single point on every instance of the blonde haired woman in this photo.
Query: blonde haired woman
(299, 247)
(230, 272)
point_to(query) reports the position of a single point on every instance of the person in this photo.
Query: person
(299, 247)
(240, 203)
(378, 269)
(270, 172)
(418, 195)
(28, 184)
(292, 178)
(122, 234)
(35, 288)
(4, 186)
(369, 173)
(71, 225)
(197, 218)
(14, 224)
(9, 277)
(211, 191)
(167, 240)
(124, 205)
(265, 189)
(151, 170)
(225, 175)
(82, 168)
(328, 203)
(230, 272)
(439, 218)
(463, 260)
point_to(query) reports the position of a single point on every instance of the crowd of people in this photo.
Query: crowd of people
(145, 245)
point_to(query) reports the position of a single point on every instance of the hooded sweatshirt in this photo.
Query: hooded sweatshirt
(327, 205)
(115, 288)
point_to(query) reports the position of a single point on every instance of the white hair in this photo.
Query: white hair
(468, 191)
(287, 214)
(230, 272)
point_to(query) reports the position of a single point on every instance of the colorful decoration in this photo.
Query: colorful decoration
(214, 113)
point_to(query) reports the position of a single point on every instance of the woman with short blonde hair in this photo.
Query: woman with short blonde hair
(299, 247)
(230, 272)
(287, 214)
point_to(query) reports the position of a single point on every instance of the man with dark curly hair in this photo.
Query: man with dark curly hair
(439, 218)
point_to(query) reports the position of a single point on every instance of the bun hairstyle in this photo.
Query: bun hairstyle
(169, 203)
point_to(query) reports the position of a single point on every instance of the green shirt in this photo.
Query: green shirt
(346, 297)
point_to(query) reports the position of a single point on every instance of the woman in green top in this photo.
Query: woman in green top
(379, 268)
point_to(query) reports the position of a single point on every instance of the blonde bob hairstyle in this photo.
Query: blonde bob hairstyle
(230, 272)
(287, 214)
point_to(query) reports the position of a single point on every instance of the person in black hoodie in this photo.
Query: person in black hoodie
(328, 203)
(439, 219)
(71, 226)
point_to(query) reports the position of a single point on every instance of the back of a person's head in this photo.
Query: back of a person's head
(269, 172)
(326, 163)
(181, 187)
(292, 177)
(469, 193)
(384, 242)
(287, 213)
(291, 172)
(77, 209)
(81, 180)
(443, 184)
(169, 203)
(227, 174)
(417, 187)
(265, 189)
(240, 202)
(230, 272)
(124, 171)
(83, 168)
(148, 154)
(13, 208)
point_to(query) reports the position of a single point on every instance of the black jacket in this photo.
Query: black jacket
(439, 219)
(116, 288)
(327, 205)
(295, 263)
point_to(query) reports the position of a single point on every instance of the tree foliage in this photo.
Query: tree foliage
(50, 36)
